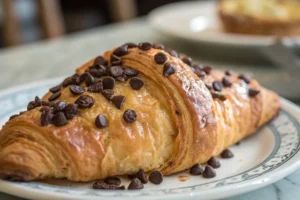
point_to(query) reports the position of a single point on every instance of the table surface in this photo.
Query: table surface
(58, 57)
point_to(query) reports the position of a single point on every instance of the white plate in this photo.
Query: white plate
(259, 160)
(198, 21)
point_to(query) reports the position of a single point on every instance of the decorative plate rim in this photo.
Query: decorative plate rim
(243, 186)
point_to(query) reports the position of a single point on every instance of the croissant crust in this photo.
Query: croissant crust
(178, 124)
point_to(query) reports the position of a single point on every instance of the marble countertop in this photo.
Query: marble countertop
(58, 57)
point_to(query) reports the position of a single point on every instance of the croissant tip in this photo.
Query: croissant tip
(12, 172)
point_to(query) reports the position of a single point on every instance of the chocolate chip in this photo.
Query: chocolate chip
(222, 97)
(72, 80)
(121, 78)
(89, 79)
(227, 154)
(37, 101)
(160, 58)
(130, 116)
(98, 72)
(169, 69)
(173, 53)
(131, 45)
(105, 186)
(226, 82)
(209, 172)
(118, 101)
(131, 176)
(59, 119)
(108, 83)
(31, 105)
(159, 46)
(45, 103)
(54, 96)
(115, 59)
(70, 111)
(141, 176)
(215, 95)
(245, 78)
(82, 76)
(218, 95)
(228, 73)
(201, 75)
(68, 81)
(136, 83)
(197, 169)
(13, 116)
(130, 72)
(135, 184)
(177, 112)
(76, 89)
(55, 88)
(113, 180)
(145, 46)
(46, 117)
(51, 104)
(197, 68)
(214, 162)
(253, 92)
(121, 51)
(96, 87)
(101, 67)
(107, 93)
(187, 60)
(115, 71)
(100, 61)
(238, 143)
(116, 63)
(45, 108)
(59, 106)
(217, 85)
(101, 121)
(85, 101)
(156, 177)
(207, 69)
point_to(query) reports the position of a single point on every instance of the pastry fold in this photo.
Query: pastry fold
(180, 121)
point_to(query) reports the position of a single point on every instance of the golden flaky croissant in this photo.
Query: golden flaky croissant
(137, 107)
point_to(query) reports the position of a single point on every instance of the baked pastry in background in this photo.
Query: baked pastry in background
(135, 107)
(260, 17)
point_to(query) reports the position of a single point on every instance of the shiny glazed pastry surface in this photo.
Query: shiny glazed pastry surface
(180, 121)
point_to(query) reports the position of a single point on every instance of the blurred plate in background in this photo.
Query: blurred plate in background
(198, 21)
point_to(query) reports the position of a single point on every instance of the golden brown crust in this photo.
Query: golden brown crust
(179, 124)
(253, 25)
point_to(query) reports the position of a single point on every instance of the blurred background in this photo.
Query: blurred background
(86, 28)
(25, 21)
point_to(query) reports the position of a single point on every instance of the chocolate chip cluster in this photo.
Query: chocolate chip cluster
(31, 105)
(101, 78)
(212, 163)
(137, 183)
(58, 113)
(140, 178)
(217, 86)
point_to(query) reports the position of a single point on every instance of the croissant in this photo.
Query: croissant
(135, 107)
